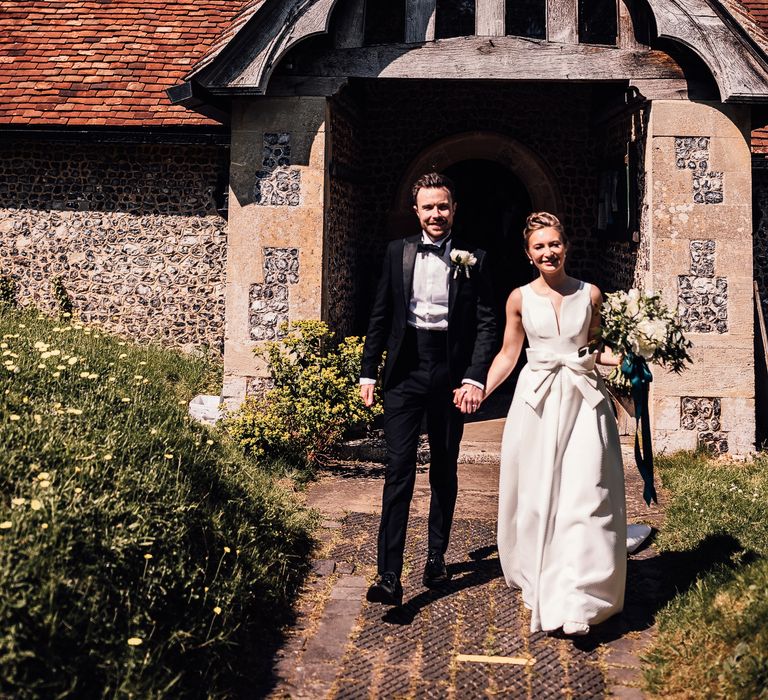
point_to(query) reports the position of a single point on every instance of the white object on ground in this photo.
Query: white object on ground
(637, 533)
(205, 408)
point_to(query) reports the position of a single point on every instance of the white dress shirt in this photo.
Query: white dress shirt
(428, 308)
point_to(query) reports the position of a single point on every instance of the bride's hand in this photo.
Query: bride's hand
(470, 397)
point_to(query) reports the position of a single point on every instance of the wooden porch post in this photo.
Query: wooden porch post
(562, 21)
(420, 21)
(489, 18)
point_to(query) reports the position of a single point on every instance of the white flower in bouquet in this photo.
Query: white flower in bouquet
(641, 325)
(633, 302)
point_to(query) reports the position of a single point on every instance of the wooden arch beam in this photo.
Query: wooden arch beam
(740, 70)
(245, 66)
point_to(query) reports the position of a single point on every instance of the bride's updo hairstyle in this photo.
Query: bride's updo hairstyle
(542, 219)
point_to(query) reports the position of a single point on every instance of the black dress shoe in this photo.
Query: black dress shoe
(435, 573)
(386, 590)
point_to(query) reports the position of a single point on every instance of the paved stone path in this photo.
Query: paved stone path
(470, 639)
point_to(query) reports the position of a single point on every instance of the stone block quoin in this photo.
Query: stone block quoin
(703, 297)
(692, 153)
(269, 304)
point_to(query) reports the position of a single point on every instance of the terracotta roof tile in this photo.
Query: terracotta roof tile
(81, 62)
(759, 11)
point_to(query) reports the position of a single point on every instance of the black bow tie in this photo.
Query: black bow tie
(432, 247)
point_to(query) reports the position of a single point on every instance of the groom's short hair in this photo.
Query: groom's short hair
(431, 181)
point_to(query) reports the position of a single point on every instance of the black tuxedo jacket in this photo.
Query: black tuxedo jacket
(471, 335)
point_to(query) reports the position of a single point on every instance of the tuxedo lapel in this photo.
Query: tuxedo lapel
(453, 288)
(409, 262)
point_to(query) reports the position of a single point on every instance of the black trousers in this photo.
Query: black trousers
(422, 387)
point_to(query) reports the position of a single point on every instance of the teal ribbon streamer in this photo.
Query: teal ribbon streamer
(636, 369)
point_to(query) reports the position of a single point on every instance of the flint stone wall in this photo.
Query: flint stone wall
(132, 230)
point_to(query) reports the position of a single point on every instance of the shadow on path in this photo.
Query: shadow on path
(476, 572)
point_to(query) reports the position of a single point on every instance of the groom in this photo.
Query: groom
(434, 318)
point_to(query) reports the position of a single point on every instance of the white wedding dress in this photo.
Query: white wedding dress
(562, 521)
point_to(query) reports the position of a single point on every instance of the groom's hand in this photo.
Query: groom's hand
(468, 398)
(367, 395)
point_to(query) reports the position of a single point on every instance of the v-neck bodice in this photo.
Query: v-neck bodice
(541, 323)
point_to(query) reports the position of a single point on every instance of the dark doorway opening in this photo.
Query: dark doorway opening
(492, 207)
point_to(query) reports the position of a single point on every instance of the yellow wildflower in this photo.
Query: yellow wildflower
(75, 411)
(72, 361)
(209, 442)
(227, 550)
(147, 556)
(44, 526)
(6, 524)
(45, 484)
(168, 455)
(217, 610)
(107, 457)
(43, 475)
(135, 642)
(38, 418)
(18, 501)
(14, 417)
(78, 490)
(125, 399)
(35, 504)
(84, 375)
(122, 355)
(61, 366)
(56, 374)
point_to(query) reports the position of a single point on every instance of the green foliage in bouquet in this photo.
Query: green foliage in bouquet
(642, 325)
(315, 397)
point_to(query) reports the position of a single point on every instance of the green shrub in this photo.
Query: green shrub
(7, 291)
(61, 295)
(314, 400)
(140, 556)
(713, 638)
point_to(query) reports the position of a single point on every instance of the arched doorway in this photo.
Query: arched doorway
(499, 182)
(492, 207)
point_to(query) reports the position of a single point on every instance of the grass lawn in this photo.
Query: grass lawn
(140, 555)
(713, 638)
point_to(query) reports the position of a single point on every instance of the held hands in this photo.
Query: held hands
(468, 398)
(367, 395)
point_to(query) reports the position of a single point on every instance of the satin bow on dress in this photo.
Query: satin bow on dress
(546, 365)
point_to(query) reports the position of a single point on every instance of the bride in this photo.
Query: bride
(562, 522)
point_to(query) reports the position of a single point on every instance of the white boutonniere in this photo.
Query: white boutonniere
(462, 260)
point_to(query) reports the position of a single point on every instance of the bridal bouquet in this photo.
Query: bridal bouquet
(642, 329)
(640, 326)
